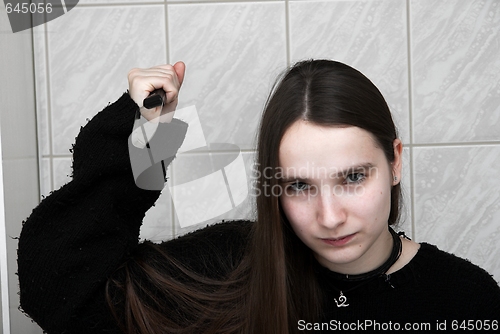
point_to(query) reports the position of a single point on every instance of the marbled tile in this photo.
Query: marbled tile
(209, 194)
(40, 64)
(233, 52)
(20, 187)
(20, 196)
(456, 70)
(368, 35)
(17, 92)
(91, 50)
(457, 202)
(62, 172)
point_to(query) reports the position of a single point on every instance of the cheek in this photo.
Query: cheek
(376, 203)
(288, 208)
(296, 213)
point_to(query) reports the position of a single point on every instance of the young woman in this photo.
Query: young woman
(322, 255)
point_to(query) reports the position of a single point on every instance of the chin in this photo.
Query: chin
(342, 257)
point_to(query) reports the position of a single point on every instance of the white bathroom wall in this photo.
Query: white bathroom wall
(456, 126)
(4, 279)
(20, 183)
(435, 61)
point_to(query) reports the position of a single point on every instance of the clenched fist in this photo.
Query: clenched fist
(144, 81)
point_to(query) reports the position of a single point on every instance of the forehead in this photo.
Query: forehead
(307, 144)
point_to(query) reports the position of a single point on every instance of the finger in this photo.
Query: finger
(147, 84)
(160, 74)
(162, 68)
(151, 114)
(167, 77)
(152, 70)
(168, 83)
(180, 70)
(152, 73)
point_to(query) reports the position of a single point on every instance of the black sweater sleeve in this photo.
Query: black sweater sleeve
(81, 233)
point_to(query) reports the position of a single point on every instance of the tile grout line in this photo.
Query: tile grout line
(410, 120)
(252, 150)
(287, 32)
(167, 53)
(37, 123)
(49, 109)
(152, 3)
(456, 144)
(167, 36)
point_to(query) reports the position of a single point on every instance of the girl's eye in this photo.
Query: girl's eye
(298, 186)
(355, 178)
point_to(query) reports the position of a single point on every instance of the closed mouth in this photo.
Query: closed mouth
(339, 241)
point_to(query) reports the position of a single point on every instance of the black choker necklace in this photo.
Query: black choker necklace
(395, 253)
(397, 247)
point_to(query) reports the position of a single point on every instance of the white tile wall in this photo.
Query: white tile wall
(368, 35)
(20, 190)
(457, 202)
(233, 52)
(435, 61)
(90, 51)
(41, 87)
(456, 66)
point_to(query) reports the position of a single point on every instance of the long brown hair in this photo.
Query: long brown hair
(275, 285)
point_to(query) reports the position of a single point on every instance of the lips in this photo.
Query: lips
(339, 241)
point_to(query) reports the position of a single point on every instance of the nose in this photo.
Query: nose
(330, 210)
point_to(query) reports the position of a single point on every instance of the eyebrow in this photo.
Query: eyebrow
(363, 167)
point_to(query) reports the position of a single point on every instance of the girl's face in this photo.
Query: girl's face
(336, 186)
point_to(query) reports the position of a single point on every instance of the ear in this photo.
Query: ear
(397, 164)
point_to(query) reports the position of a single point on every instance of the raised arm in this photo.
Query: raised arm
(81, 233)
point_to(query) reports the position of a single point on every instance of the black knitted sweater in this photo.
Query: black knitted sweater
(77, 237)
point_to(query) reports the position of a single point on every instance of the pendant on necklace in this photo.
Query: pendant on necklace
(342, 300)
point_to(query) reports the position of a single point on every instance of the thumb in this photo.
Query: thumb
(180, 70)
